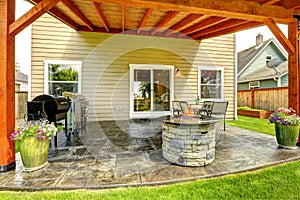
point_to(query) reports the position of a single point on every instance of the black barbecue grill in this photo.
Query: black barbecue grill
(54, 108)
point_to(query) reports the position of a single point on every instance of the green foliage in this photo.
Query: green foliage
(67, 74)
(248, 108)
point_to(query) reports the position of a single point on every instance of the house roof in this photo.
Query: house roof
(247, 55)
(199, 19)
(20, 77)
(266, 73)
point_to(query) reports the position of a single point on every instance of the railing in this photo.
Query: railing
(21, 104)
(266, 99)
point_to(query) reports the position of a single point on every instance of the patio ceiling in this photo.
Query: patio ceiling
(196, 19)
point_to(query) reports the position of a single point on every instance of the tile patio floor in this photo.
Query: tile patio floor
(128, 153)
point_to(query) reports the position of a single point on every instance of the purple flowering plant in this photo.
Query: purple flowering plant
(285, 116)
(41, 130)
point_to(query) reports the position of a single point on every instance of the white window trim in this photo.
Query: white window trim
(222, 82)
(71, 62)
(149, 114)
(252, 87)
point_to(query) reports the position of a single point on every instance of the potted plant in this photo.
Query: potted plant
(34, 140)
(286, 127)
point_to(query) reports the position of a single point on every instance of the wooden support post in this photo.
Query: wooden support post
(7, 86)
(293, 68)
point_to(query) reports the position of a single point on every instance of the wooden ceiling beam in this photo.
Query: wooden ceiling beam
(269, 2)
(129, 32)
(74, 9)
(203, 24)
(59, 15)
(32, 15)
(291, 4)
(164, 21)
(218, 27)
(99, 11)
(145, 17)
(280, 36)
(231, 30)
(247, 10)
(123, 18)
(185, 22)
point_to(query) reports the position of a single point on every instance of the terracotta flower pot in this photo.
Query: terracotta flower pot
(34, 153)
(287, 135)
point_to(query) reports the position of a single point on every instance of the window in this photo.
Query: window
(254, 84)
(268, 59)
(62, 76)
(211, 83)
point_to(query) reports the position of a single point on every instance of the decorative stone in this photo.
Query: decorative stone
(189, 142)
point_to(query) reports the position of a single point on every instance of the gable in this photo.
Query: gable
(270, 48)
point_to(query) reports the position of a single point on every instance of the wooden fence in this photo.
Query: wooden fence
(266, 99)
(20, 104)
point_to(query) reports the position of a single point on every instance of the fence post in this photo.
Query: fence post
(252, 98)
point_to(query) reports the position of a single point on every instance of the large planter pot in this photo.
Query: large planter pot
(34, 153)
(287, 136)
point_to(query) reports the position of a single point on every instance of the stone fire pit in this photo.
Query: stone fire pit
(189, 141)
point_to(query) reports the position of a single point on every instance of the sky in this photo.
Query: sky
(244, 39)
(247, 38)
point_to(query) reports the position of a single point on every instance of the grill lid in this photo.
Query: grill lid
(59, 103)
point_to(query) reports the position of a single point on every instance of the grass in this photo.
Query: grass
(255, 124)
(279, 182)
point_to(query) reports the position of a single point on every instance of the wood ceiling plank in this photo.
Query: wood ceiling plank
(145, 17)
(247, 10)
(280, 36)
(218, 27)
(164, 21)
(99, 11)
(73, 8)
(186, 21)
(32, 15)
(59, 15)
(231, 30)
(203, 24)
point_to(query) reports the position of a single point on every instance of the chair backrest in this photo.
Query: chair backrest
(220, 107)
(184, 106)
(208, 105)
(177, 110)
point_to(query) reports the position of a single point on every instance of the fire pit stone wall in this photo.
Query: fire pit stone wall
(189, 143)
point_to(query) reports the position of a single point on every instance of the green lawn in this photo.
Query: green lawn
(279, 182)
(255, 124)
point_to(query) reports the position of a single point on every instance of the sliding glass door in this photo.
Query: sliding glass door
(151, 89)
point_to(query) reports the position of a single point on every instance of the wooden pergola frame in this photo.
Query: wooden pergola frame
(235, 15)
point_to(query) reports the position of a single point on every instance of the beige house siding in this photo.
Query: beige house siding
(106, 59)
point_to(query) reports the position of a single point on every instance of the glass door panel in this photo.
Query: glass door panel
(161, 90)
(142, 90)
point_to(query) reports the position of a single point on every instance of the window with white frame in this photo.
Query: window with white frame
(211, 83)
(268, 59)
(62, 76)
(254, 84)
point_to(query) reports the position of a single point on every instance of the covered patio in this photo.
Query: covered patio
(118, 154)
(197, 20)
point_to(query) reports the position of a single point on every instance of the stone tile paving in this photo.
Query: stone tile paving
(128, 153)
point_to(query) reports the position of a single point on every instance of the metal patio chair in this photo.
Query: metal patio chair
(220, 108)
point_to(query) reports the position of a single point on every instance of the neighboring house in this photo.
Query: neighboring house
(252, 66)
(127, 76)
(21, 82)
